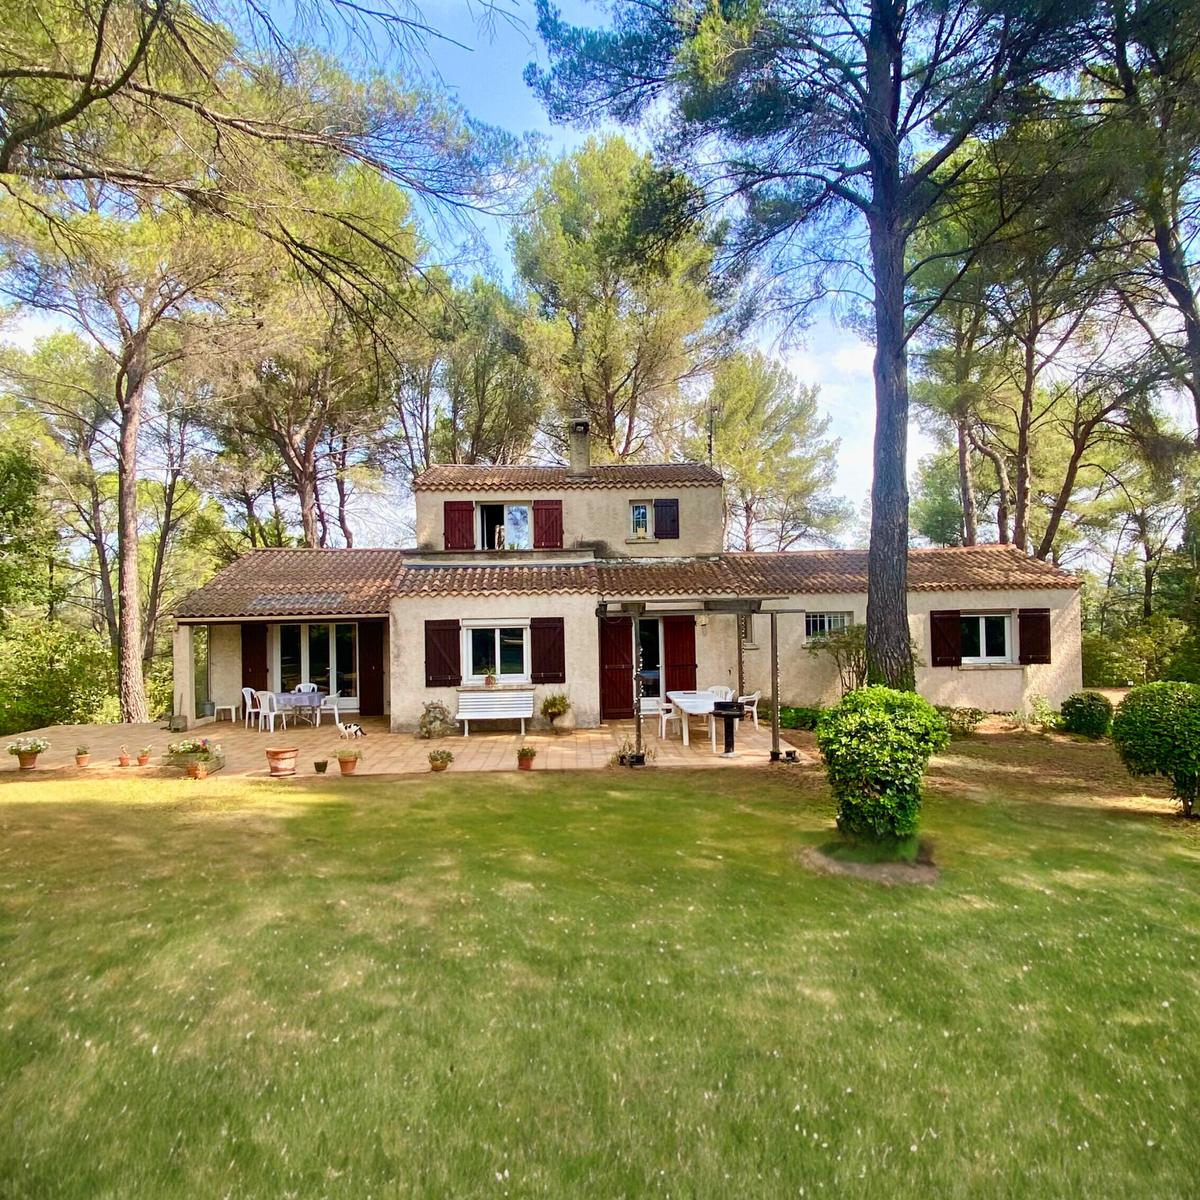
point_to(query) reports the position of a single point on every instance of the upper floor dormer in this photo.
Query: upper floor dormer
(637, 509)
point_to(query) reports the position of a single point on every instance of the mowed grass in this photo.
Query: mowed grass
(597, 985)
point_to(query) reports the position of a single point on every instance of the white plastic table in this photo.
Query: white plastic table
(302, 704)
(696, 704)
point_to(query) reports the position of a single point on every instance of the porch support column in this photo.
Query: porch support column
(775, 756)
(184, 674)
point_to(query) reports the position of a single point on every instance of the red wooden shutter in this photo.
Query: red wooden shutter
(547, 525)
(616, 668)
(1033, 635)
(254, 657)
(442, 663)
(945, 639)
(458, 519)
(679, 653)
(547, 650)
(666, 518)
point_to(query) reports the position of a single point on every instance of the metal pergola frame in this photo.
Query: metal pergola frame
(736, 606)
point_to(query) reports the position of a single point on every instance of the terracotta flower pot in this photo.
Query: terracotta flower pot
(27, 761)
(282, 759)
(197, 770)
(143, 760)
(123, 760)
(348, 765)
(82, 760)
(438, 766)
(524, 764)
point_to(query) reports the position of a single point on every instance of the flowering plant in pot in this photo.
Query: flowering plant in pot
(439, 760)
(82, 756)
(143, 756)
(525, 757)
(489, 675)
(197, 755)
(348, 759)
(123, 759)
(27, 750)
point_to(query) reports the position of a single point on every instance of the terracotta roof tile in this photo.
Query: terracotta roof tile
(453, 478)
(268, 583)
(298, 583)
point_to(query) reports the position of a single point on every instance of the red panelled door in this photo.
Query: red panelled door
(370, 668)
(679, 653)
(616, 668)
(254, 657)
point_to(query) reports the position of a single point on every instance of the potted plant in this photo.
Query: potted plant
(281, 760)
(348, 758)
(27, 751)
(525, 757)
(489, 676)
(123, 759)
(143, 757)
(439, 760)
(320, 765)
(82, 756)
(197, 755)
(556, 708)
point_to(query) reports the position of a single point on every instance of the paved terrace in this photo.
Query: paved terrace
(386, 753)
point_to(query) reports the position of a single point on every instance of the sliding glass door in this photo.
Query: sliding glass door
(325, 654)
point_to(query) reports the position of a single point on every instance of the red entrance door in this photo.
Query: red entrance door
(370, 668)
(254, 657)
(616, 668)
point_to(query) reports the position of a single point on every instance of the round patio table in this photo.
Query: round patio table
(302, 704)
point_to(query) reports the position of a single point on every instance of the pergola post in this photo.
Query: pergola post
(775, 756)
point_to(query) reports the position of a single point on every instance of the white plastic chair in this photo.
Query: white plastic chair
(268, 710)
(668, 712)
(306, 689)
(721, 693)
(250, 704)
(328, 705)
(751, 703)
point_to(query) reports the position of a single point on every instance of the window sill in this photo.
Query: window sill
(990, 666)
(637, 541)
(511, 686)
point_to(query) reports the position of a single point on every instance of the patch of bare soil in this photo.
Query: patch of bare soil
(889, 874)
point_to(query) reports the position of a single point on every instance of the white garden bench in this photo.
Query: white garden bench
(508, 704)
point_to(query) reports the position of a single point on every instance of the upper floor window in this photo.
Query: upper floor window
(639, 517)
(821, 624)
(986, 637)
(505, 527)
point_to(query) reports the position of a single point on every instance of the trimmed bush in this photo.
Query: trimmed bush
(793, 717)
(1157, 732)
(876, 744)
(1088, 713)
(961, 722)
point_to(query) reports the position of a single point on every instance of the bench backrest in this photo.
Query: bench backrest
(495, 704)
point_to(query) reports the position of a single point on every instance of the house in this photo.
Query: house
(561, 578)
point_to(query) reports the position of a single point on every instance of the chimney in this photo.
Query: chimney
(580, 464)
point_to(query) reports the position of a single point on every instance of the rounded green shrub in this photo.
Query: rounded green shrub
(1088, 713)
(876, 744)
(1157, 732)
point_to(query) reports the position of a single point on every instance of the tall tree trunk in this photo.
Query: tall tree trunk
(343, 515)
(131, 684)
(966, 484)
(1024, 504)
(1002, 486)
(889, 655)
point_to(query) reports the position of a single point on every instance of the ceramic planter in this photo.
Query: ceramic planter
(524, 764)
(123, 760)
(438, 766)
(143, 760)
(197, 769)
(282, 759)
(82, 760)
(320, 766)
(564, 722)
(348, 765)
(27, 761)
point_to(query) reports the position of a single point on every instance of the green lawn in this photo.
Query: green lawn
(597, 985)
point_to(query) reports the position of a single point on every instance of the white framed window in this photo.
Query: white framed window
(639, 519)
(821, 624)
(499, 648)
(986, 637)
(325, 654)
(505, 526)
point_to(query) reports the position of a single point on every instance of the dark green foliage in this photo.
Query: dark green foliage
(1157, 732)
(1106, 663)
(961, 722)
(26, 536)
(1088, 713)
(51, 674)
(876, 744)
(793, 717)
